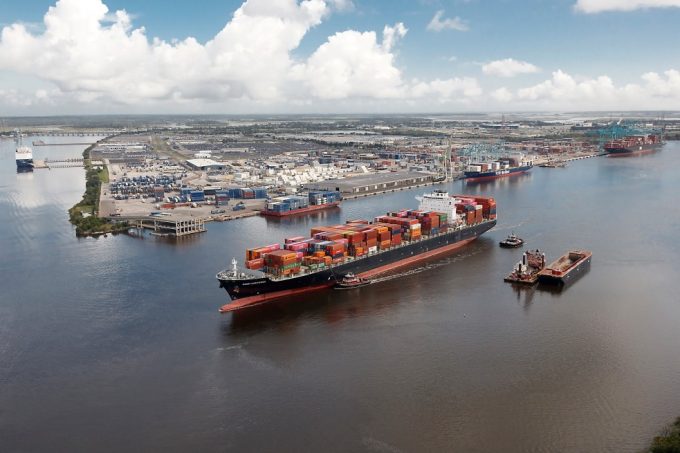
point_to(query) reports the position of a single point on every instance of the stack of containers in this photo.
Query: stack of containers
(488, 206)
(248, 193)
(221, 197)
(258, 252)
(478, 213)
(235, 193)
(320, 198)
(260, 192)
(384, 237)
(278, 206)
(283, 262)
(255, 257)
(197, 195)
(443, 222)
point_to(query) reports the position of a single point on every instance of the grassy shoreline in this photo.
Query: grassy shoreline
(668, 441)
(84, 215)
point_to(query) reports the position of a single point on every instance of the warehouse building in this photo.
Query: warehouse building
(205, 164)
(376, 182)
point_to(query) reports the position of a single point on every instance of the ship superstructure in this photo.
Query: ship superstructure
(24, 157)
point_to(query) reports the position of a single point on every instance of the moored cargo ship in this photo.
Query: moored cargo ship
(566, 269)
(313, 201)
(24, 158)
(632, 145)
(484, 171)
(363, 248)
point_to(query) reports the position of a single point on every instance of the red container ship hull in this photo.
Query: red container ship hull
(251, 292)
(490, 175)
(305, 210)
(634, 145)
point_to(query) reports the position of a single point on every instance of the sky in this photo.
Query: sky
(337, 56)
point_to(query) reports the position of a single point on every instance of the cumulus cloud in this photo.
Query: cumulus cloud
(87, 51)
(438, 23)
(91, 54)
(563, 90)
(354, 64)
(598, 6)
(508, 68)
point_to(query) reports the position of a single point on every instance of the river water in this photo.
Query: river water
(115, 344)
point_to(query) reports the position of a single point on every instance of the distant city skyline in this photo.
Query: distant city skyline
(337, 56)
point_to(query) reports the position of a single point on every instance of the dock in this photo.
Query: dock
(166, 226)
(63, 163)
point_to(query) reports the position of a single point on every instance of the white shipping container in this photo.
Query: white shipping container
(372, 250)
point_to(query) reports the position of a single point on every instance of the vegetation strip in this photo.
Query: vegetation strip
(84, 215)
(669, 441)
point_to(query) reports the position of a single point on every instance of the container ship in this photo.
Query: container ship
(24, 158)
(632, 145)
(442, 223)
(313, 201)
(484, 171)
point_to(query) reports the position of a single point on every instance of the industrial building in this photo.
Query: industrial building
(375, 182)
(205, 164)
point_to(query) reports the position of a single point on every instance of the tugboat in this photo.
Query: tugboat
(511, 242)
(351, 281)
(526, 271)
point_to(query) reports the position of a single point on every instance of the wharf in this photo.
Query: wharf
(396, 189)
(63, 163)
(234, 216)
(177, 227)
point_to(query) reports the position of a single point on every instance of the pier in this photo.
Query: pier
(63, 163)
(165, 226)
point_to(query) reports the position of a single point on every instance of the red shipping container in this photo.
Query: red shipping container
(255, 264)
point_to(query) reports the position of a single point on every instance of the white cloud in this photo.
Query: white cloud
(502, 95)
(86, 51)
(439, 24)
(353, 64)
(508, 68)
(598, 6)
(92, 56)
(564, 91)
(392, 34)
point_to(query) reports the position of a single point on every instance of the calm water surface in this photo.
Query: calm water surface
(115, 344)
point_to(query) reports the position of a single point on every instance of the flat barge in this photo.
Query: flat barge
(566, 269)
(292, 205)
(443, 223)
